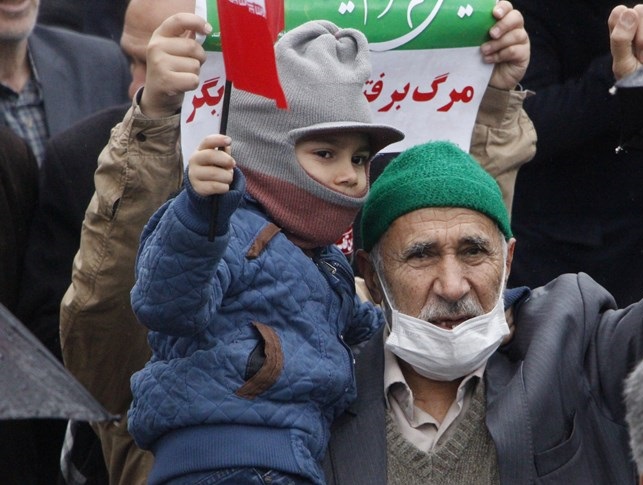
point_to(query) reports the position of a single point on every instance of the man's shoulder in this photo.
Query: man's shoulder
(57, 37)
(570, 285)
(51, 46)
(569, 298)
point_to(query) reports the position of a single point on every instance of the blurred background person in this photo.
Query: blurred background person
(578, 204)
(52, 77)
(49, 79)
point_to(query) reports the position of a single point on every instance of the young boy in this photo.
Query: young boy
(250, 332)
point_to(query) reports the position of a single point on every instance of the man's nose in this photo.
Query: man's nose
(451, 283)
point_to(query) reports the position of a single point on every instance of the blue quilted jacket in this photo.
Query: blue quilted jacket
(250, 341)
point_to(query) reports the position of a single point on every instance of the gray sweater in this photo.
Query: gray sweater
(468, 455)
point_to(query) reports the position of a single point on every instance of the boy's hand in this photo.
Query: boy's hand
(174, 60)
(210, 168)
(626, 39)
(508, 48)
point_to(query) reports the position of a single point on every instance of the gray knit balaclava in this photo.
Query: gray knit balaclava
(322, 70)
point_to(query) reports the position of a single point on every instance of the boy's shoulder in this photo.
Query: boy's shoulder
(250, 226)
(249, 216)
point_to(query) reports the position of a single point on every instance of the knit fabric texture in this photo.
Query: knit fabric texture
(468, 455)
(434, 174)
(322, 70)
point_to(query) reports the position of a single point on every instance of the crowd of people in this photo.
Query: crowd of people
(252, 351)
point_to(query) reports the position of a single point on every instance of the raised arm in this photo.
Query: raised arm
(102, 343)
(503, 137)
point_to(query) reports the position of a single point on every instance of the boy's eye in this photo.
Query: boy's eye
(323, 153)
(360, 159)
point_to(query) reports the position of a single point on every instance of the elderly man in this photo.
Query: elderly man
(456, 390)
(50, 77)
(474, 394)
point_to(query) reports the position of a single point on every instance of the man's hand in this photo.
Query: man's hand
(210, 168)
(174, 60)
(626, 39)
(508, 48)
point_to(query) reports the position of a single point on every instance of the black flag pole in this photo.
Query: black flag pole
(223, 128)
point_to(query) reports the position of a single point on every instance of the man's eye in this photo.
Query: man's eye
(475, 251)
(420, 259)
(420, 255)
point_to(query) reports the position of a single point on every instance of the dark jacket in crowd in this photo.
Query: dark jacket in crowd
(578, 205)
(18, 199)
(79, 74)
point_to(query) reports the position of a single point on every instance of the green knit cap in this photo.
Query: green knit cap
(435, 174)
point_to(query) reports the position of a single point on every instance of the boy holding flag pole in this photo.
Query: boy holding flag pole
(250, 339)
(144, 148)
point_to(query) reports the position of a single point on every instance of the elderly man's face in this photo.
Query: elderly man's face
(443, 265)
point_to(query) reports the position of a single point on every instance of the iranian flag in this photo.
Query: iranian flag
(249, 29)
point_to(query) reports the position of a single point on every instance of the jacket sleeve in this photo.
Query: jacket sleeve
(571, 337)
(629, 94)
(572, 107)
(503, 138)
(178, 282)
(66, 187)
(367, 320)
(615, 345)
(102, 343)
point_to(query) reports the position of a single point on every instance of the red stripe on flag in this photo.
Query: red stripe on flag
(275, 15)
(247, 42)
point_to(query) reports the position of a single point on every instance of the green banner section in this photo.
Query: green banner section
(389, 24)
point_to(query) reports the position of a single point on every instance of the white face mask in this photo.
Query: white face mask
(445, 355)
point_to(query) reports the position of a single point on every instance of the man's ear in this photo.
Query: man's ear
(511, 246)
(367, 271)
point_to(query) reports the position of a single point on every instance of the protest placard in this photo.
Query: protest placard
(427, 78)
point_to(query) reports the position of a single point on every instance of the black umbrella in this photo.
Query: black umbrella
(630, 92)
(34, 384)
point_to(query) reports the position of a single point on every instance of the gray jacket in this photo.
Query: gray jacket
(554, 394)
(80, 74)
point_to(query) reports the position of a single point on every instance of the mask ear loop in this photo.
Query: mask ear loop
(386, 306)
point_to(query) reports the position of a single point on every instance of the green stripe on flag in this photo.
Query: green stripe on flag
(390, 24)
